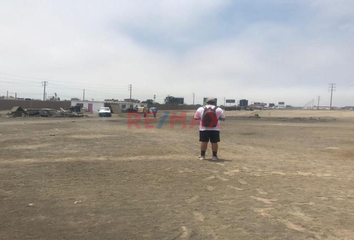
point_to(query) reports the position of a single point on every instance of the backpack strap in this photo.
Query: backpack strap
(214, 111)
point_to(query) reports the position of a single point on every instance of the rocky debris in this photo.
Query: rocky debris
(43, 112)
(17, 112)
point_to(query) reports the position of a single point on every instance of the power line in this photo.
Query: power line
(24, 77)
(72, 85)
(94, 86)
(55, 81)
(94, 89)
(18, 83)
(102, 88)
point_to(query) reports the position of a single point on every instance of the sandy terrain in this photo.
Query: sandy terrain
(285, 175)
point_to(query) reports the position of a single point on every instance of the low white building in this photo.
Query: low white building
(94, 106)
(91, 106)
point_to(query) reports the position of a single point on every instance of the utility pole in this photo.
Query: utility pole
(224, 102)
(318, 102)
(130, 88)
(15, 96)
(154, 98)
(331, 87)
(83, 95)
(44, 83)
(193, 98)
(313, 103)
(7, 95)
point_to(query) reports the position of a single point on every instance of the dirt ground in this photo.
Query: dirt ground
(285, 175)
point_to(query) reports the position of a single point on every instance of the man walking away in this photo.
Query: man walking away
(209, 127)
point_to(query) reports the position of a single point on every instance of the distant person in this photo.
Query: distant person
(145, 111)
(209, 128)
(154, 111)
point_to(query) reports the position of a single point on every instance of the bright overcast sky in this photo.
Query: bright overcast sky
(260, 50)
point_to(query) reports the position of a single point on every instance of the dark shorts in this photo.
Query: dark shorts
(212, 136)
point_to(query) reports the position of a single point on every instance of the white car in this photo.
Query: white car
(104, 112)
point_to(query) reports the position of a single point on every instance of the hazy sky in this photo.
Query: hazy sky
(261, 50)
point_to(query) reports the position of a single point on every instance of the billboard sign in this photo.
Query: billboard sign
(230, 101)
(179, 100)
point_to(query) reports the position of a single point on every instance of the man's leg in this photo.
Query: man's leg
(204, 140)
(214, 147)
(203, 148)
(214, 144)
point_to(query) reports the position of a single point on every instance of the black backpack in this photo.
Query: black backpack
(209, 118)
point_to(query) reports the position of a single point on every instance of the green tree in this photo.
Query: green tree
(149, 101)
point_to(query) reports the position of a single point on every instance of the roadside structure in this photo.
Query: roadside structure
(91, 106)
(17, 112)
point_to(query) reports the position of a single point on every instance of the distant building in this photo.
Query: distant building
(91, 106)
(243, 103)
(259, 105)
(271, 105)
(281, 105)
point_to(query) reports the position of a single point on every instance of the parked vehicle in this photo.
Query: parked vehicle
(131, 110)
(104, 112)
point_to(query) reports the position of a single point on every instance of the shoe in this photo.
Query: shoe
(214, 158)
(201, 157)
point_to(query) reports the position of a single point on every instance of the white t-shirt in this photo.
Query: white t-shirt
(199, 114)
